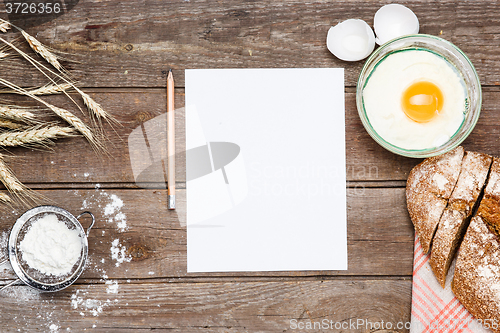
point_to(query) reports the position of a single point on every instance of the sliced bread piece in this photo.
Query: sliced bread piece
(489, 209)
(456, 216)
(428, 189)
(476, 281)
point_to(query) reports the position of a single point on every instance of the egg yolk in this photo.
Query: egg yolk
(422, 101)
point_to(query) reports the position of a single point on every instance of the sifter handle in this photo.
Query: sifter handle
(93, 221)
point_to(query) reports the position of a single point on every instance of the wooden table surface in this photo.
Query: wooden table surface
(136, 278)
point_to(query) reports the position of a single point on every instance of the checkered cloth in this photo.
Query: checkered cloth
(434, 309)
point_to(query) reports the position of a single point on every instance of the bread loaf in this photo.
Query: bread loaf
(476, 281)
(428, 189)
(489, 209)
(436, 199)
(455, 218)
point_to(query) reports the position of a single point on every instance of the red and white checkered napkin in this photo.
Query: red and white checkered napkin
(434, 309)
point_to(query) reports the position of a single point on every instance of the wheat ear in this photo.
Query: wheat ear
(50, 89)
(73, 121)
(34, 137)
(40, 67)
(95, 108)
(5, 123)
(15, 187)
(64, 114)
(5, 198)
(4, 26)
(16, 113)
(42, 50)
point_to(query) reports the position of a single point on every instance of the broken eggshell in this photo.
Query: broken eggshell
(351, 40)
(393, 21)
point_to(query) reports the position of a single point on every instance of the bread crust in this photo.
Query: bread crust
(489, 209)
(455, 218)
(476, 281)
(428, 188)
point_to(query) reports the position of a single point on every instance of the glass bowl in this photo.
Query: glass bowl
(455, 57)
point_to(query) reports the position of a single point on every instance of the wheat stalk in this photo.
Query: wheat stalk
(42, 50)
(40, 67)
(15, 187)
(37, 136)
(93, 107)
(64, 114)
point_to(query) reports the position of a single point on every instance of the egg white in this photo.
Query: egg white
(383, 92)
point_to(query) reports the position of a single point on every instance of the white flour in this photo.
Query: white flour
(112, 287)
(93, 306)
(119, 253)
(112, 209)
(50, 246)
(4, 241)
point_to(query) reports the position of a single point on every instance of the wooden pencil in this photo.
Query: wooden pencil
(170, 141)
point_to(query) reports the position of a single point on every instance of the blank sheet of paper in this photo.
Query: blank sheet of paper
(265, 168)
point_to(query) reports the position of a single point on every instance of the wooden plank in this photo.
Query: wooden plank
(153, 242)
(212, 307)
(141, 40)
(73, 162)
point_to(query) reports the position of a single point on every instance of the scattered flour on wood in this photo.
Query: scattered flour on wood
(112, 287)
(113, 211)
(119, 253)
(4, 241)
(45, 310)
(111, 206)
(81, 301)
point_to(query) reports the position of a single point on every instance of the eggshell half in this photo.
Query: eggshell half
(351, 40)
(393, 21)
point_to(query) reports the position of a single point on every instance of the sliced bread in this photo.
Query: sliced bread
(428, 188)
(489, 209)
(476, 281)
(456, 216)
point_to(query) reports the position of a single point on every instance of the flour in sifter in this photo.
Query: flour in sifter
(50, 246)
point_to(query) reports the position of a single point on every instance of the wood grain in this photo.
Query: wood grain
(122, 52)
(210, 306)
(112, 49)
(154, 242)
(72, 162)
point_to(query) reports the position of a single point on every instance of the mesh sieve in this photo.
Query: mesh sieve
(33, 277)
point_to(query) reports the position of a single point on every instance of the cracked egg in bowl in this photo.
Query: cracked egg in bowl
(418, 96)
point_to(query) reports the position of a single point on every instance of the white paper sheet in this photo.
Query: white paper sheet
(266, 183)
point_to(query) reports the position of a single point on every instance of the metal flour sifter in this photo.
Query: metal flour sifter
(31, 276)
